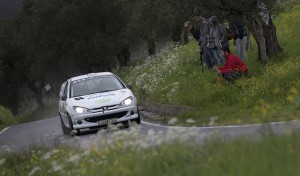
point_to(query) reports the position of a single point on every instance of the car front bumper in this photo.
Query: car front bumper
(98, 119)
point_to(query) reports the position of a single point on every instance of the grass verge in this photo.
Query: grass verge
(269, 155)
(270, 93)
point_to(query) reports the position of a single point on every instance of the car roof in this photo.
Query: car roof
(91, 75)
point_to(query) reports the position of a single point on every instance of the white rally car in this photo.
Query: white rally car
(95, 100)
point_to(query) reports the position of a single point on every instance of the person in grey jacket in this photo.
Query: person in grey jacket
(204, 32)
(218, 38)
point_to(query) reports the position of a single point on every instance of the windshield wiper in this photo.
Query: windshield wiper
(107, 90)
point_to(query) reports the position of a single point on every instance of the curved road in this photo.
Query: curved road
(48, 132)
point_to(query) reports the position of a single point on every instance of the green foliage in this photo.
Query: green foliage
(6, 118)
(269, 93)
(50, 41)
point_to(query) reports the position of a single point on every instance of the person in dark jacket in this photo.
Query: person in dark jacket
(239, 30)
(203, 26)
(234, 67)
(193, 30)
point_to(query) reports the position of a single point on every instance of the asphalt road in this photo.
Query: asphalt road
(48, 132)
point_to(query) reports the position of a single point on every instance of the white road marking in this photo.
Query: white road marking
(3, 130)
(216, 127)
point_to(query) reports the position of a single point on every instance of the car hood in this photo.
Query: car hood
(101, 99)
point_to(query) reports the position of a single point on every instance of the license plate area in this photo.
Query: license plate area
(107, 121)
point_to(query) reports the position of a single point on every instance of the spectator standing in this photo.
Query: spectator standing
(217, 38)
(238, 28)
(234, 67)
(193, 30)
(204, 32)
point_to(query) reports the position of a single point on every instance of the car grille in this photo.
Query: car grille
(104, 117)
(100, 109)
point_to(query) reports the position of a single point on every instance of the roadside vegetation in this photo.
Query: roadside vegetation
(6, 118)
(130, 153)
(268, 94)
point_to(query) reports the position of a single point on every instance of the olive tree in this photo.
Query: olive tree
(257, 15)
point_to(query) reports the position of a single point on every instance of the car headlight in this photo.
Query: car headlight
(80, 110)
(127, 101)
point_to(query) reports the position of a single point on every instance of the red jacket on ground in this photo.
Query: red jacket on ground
(233, 63)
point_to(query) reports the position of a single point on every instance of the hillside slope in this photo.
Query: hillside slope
(270, 93)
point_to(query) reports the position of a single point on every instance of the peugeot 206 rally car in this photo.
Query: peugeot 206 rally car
(95, 100)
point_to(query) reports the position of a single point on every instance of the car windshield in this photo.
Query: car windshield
(94, 84)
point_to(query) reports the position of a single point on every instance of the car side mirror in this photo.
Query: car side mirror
(63, 98)
(129, 86)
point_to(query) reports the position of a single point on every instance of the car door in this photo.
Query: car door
(63, 100)
(61, 93)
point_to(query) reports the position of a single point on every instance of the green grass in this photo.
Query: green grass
(270, 93)
(269, 155)
(6, 118)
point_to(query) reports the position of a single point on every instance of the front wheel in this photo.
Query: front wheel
(63, 127)
(71, 131)
(138, 120)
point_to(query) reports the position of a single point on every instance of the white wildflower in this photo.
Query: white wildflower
(212, 121)
(172, 121)
(74, 159)
(34, 170)
(190, 121)
(56, 167)
(46, 156)
(2, 161)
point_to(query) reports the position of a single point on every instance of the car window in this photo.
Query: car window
(66, 89)
(95, 84)
(62, 89)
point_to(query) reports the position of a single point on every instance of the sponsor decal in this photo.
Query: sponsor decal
(101, 96)
(90, 78)
(103, 100)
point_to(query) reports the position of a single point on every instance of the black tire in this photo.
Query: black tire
(70, 129)
(138, 120)
(126, 124)
(78, 132)
(63, 127)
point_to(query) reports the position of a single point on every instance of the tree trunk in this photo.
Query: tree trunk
(272, 45)
(124, 57)
(255, 26)
(176, 34)
(151, 46)
(37, 88)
